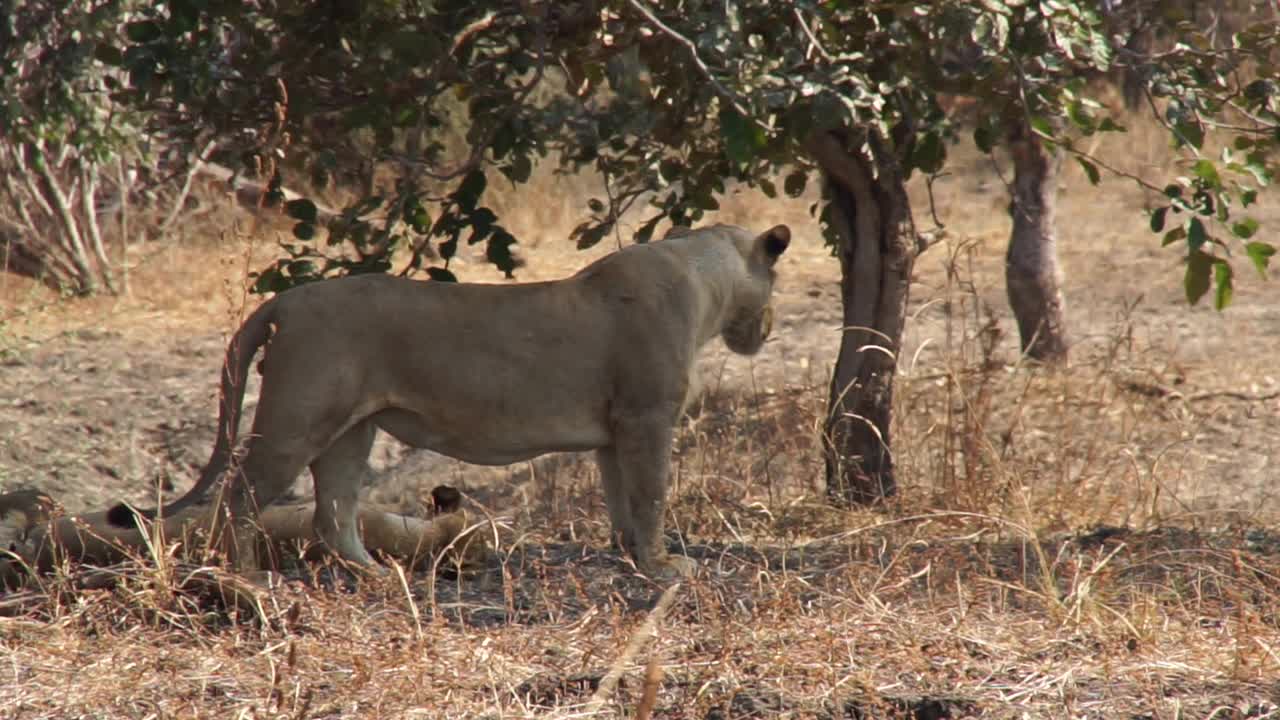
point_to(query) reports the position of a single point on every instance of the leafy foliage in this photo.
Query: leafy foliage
(351, 89)
(672, 103)
(59, 128)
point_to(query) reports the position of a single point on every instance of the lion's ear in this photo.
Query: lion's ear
(774, 241)
(445, 499)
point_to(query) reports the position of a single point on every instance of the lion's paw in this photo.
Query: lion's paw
(671, 567)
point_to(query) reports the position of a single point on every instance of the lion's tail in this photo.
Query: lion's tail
(252, 335)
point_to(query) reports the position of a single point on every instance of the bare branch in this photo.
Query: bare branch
(196, 166)
(70, 226)
(88, 189)
(467, 32)
(122, 179)
(813, 39)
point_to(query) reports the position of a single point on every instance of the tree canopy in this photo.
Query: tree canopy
(672, 100)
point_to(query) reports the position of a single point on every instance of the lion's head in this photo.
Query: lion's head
(752, 319)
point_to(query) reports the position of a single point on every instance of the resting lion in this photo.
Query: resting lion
(491, 375)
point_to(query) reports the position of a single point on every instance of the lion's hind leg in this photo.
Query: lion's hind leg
(615, 497)
(339, 472)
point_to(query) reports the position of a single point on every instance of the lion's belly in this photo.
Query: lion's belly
(496, 442)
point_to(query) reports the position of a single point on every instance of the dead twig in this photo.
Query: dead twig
(639, 639)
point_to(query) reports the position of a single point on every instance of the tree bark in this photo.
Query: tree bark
(1032, 273)
(870, 214)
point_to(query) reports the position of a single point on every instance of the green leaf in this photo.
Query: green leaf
(1157, 219)
(1204, 203)
(498, 251)
(1042, 127)
(269, 281)
(1259, 171)
(419, 220)
(304, 231)
(365, 206)
(1222, 276)
(1196, 282)
(767, 187)
(1091, 171)
(470, 190)
(143, 31)
(1109, 125)
(1079, 116)
(440, 274)
(793, 185)
(1259, 91)
(589, 236)
(301, 209)
(742, 138)
(449, 248)
(1260, 253)
(1188, 133)
(1173, 236)
(108, 55)
(301, 268)
(704, 201)
(519, 169)
(1245, 229)
(645, 233)
(595, 205)
(1196, 235)
(670, 169)
(929, 153)
(985, 137)
(1206, 170)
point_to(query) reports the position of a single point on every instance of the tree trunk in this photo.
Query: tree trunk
(1032, 274)
(870, 215)
(1133, 74)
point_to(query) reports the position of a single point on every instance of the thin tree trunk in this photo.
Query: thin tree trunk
(870, 213)
(87, 280)
(122, 177)
(1032, 274)
(88, 198)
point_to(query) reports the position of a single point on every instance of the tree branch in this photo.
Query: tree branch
(196, 166)
(725, 93)
(88, 189)
(812, 38)
(87, 278)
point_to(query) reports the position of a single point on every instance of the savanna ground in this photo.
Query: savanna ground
(1094, 541)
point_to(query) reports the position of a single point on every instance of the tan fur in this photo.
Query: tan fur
(90, 538)
(491, 374)
(35, 507)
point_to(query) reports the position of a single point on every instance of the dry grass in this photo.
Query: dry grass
(1068, 543)
(963, 599)
(958, 601)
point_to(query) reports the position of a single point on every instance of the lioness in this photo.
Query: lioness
(489, 374)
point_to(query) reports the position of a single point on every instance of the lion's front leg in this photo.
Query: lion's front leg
(643, 453)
